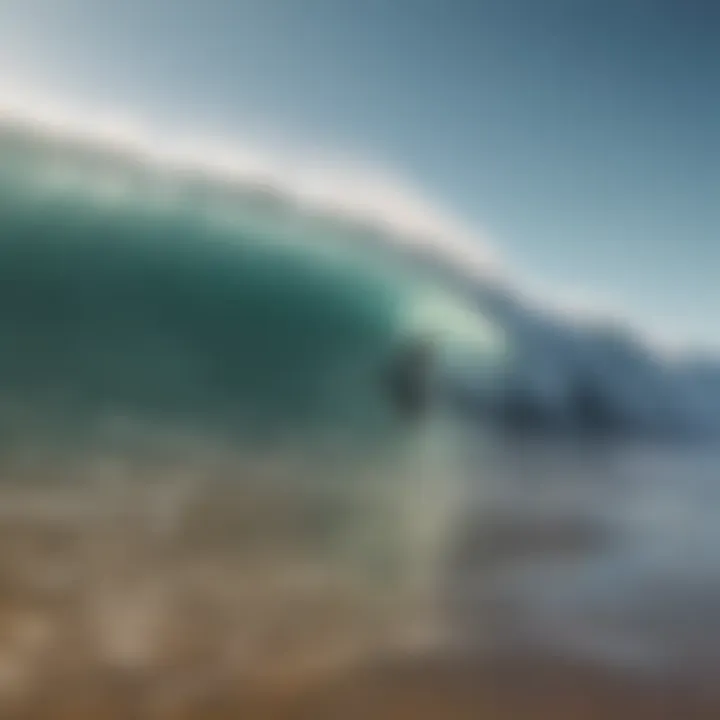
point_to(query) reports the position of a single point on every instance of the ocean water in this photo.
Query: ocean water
(603, 554)
(204, 479)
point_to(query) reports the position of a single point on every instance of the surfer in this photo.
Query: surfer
(408, 377)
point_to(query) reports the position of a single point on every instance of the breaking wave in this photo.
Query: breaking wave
(202, 472)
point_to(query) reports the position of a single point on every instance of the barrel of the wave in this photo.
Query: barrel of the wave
(194, 395)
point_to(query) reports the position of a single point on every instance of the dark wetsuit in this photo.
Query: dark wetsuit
(408, 378)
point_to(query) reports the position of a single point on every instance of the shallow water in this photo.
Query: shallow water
(173, 588)
(606, 553)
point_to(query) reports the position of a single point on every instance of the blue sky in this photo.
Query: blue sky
(582, 135)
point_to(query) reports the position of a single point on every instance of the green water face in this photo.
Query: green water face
(131, 289)
(155, 312)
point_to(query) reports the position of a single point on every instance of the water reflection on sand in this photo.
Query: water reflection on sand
(574, 583)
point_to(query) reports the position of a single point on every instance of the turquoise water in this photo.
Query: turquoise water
(130, 288)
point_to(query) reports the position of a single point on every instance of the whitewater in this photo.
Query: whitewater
(201, 466)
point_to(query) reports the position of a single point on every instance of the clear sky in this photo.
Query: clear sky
(583, 136)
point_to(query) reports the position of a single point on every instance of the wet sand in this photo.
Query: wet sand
(431, 689)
